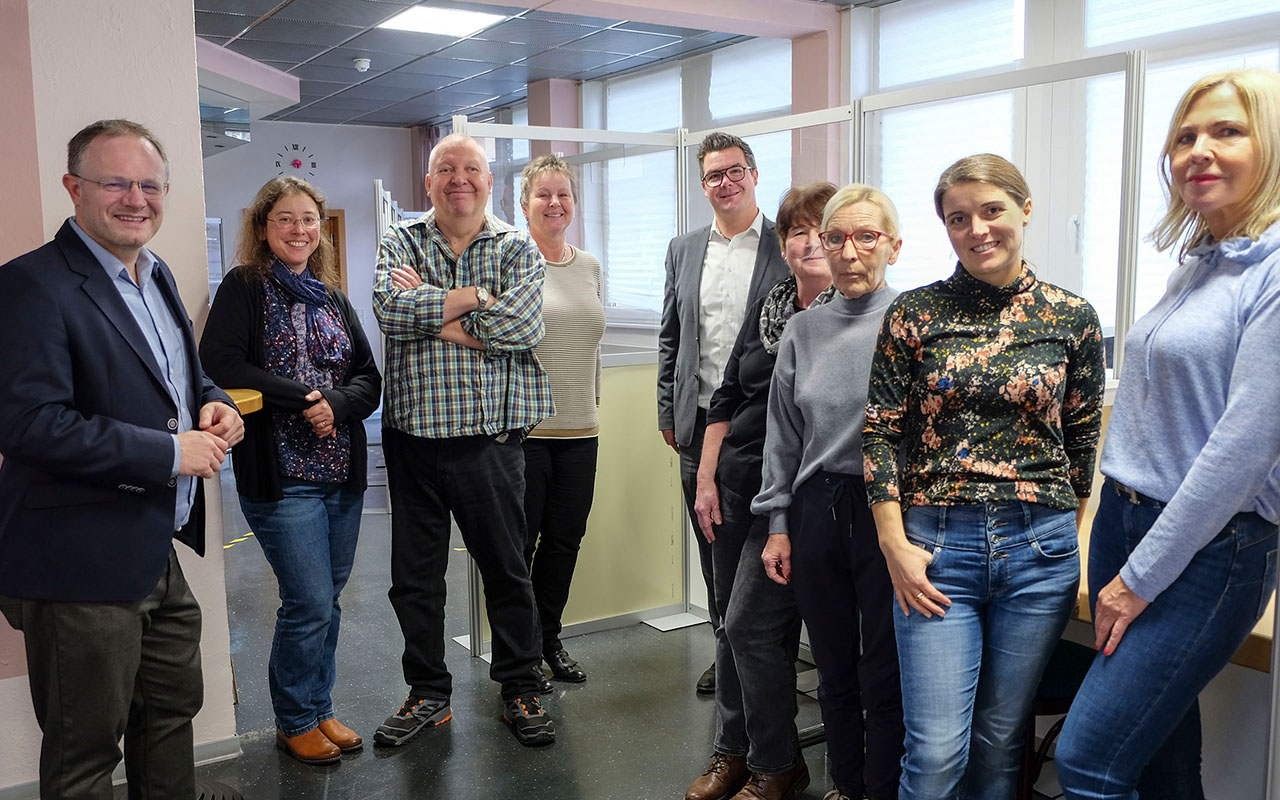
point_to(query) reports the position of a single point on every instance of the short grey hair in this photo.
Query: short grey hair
(540, 166)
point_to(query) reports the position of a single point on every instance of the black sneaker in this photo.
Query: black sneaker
(416, 713)
(529, 721)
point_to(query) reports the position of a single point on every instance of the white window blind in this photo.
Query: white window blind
(1110, 21)
(640, 197)
(926, 39)
(750, 78)
(773, 160)
(1100, 220)
(918, 143)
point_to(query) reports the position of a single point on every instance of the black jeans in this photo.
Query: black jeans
(99, 671)
(845, 596)
(690, 455)
(756, 647)
(482, 482)
(560, 482)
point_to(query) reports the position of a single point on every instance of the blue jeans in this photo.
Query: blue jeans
(1011, 570)
(1132, 699)
(756, 647)
(309, 538)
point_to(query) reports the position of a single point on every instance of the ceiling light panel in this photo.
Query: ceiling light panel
(441, 21)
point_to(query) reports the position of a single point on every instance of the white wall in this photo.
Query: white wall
(348, 159)
(81, 48)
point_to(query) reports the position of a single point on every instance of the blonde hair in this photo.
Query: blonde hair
(541, 165)
(252, 251)
(1259, 93)
(858, 193)
(982, 168)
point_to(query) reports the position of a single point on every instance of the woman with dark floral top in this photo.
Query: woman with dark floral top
(986, 388)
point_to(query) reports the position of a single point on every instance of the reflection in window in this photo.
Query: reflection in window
(640, 211)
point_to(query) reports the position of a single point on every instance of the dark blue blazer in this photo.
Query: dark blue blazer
(86, 501)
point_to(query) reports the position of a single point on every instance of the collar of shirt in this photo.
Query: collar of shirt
(113, 265)
(757, 225)
(492, 227)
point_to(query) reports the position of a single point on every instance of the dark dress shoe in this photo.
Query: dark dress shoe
(347, 740)
(564, 668)
(544, 685)
(723, 778)
(707, 683)
(312, 747)
(776, 786)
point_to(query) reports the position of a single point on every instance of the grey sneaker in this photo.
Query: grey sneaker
(416, 714)
(529, 721)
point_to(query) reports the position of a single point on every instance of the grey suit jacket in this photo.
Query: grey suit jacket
(678, 345)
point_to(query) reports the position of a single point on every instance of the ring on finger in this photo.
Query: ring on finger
(919, 595)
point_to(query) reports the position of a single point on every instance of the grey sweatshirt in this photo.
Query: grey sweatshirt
(818, 398)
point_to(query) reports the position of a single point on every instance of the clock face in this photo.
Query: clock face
(296, 159)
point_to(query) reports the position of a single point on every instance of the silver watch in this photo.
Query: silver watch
(482, 297)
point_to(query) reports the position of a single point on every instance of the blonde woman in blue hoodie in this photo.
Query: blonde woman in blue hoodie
(1182, 559)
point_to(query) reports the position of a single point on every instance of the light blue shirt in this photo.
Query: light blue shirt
(1195, 423)
(163, 333)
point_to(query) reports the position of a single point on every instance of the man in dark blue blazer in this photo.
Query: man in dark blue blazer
(713, 275)
(107, 424)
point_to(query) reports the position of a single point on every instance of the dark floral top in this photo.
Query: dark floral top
(991, 393)
(320, 358)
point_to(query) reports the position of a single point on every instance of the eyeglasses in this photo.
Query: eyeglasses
(863, 240)
(308, 221)
(735, 173)
(121, 185)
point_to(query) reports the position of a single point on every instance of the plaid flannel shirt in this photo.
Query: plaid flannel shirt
(436, 388)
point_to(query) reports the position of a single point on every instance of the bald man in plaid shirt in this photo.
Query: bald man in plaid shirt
(458, 294)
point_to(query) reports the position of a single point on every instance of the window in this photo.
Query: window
(648, 102)
(927, 39)
(917, 144)
(750, 78)
(1100, 220)
(1110, 21)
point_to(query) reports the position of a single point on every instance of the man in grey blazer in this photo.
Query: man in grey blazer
(713, 275)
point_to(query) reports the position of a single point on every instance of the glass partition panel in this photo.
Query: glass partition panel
(625, 214)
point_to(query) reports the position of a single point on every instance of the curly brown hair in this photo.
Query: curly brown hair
(252, 251)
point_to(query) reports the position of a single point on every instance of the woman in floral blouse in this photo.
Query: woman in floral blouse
(987, 388)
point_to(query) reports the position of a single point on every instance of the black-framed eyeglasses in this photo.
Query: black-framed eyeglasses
(735, 173)
(122, 185)
(863, 240)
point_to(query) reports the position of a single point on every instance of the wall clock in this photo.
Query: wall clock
(296, 159)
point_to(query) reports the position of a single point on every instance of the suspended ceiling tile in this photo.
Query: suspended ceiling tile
(397, 119)
(252, 8)
(571, 19)
(296, 32)
(321, 115)
(411, 82)
(649, 27)
(534, 32)
(368, 91)
(616, 67)
(273, 51)
(485, 83)
(213, 24)
(417, 44)
(218, 40)
(566, 61)
(378, 62)
(347, 103)
(484, 50)
(321, 72)
(341, 12)
(627, 43)
(440, 65)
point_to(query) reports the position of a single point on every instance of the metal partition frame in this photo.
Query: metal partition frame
(1133, 65)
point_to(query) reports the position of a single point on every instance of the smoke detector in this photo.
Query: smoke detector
(361, 64)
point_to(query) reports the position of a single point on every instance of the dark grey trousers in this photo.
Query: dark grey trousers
(102, 671)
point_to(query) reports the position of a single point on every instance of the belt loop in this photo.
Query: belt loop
(940, 534)
(1026, 514)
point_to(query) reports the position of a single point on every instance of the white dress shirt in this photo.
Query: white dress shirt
(726, 282)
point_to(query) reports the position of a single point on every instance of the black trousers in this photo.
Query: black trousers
(481, 481)
(102, 671)
(690, 455)
(560, 483)
(842, 587)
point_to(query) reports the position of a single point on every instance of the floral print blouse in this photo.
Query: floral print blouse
(984, 393)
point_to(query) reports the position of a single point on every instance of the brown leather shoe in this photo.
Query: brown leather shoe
(312, 747)
(347, 740)
(777, 786)
(724, 776)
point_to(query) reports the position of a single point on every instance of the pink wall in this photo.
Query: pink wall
(20, 219)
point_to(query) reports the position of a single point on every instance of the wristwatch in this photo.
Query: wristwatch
(482, 297)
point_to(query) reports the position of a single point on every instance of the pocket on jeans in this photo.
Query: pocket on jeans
(1268, 585)
(1058, 538)
(915, 520)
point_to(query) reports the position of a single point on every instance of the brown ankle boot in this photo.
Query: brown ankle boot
(312, 747)
(347, 740)
(723, 778)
